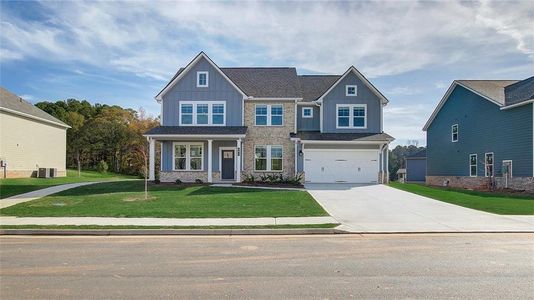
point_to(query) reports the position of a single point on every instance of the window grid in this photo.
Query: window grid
(454, 133)
(202, 113)
(188, 157)
(268, 158)
(202, 79)
(351, 116)
(269, 115)
(488, 163)
(473, 165)
(307, 112)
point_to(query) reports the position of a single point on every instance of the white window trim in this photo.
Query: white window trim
(210, 112)
(269, 120)
(511, 167)
(187, 157)
(486, 164)
(351, 116)
(347, 90)
(457, 133)
(207, 78)
(269, 162)
(311, 112)
(476, 165)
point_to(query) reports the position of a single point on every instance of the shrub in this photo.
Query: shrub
(249, 178)
(178, 181)
(102, 167)
(157, 181)
(199, 181)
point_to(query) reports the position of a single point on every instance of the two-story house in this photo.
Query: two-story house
(218, 124)
(481, 135)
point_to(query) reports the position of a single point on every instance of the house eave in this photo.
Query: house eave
(517, 104)
(15, 112)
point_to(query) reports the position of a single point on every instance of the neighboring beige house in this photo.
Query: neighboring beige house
(29, 138)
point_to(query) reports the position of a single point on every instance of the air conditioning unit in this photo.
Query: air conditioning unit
(53, 172)
(43, 173)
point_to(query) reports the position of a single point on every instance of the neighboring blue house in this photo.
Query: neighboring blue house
(481, 135)
(219, 124)
(416, 167)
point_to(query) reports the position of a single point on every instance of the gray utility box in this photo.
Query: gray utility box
(43, 173)
(53, 172)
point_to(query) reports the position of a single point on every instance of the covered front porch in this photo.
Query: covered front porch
(192, 154)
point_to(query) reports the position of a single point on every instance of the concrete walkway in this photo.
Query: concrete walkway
(380, 208)
(42, 193)
(76, 221)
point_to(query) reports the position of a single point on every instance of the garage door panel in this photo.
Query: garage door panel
(354, 166)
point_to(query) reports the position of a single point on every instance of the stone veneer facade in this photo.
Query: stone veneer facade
(184, 176)
(482, 183)
(269, 135)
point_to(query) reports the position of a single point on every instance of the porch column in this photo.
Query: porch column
(152, 159)
(387, 164)
(238, 161)
(210, 154)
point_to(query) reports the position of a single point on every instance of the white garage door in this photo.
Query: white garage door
(353, 166)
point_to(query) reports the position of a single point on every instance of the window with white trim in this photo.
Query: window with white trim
(268, 158)
(351, 116)
(202, 113)
(473, 166)
(307, 112)
(351, 90)
(188, 156)
(488, 163)
(269, 115)
(202, 79)
(507, 168)
(454, 133)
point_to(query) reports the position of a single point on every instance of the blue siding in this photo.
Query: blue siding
(415, 169)
(364, 96)
(219, 89)
(308, 124)
(167, 162)
(483, 127)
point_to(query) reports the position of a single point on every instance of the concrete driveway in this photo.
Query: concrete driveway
(380, 208)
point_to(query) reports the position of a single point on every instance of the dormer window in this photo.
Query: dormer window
(202, 79)
(454, 133)
(351, 90)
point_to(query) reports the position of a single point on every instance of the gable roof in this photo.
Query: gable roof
(520, 91)
(314, 86)
(14, 104)
(352, 69)
(183, 71)
(491, 90)
(266, 82)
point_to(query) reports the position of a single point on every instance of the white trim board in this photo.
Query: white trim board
(170, 85)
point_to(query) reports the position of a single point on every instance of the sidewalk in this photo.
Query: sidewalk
(77, 221)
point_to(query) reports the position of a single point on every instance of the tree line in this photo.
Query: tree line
(102, 132)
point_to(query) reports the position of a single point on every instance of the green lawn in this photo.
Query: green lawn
(125, 199)
(502, 204)
(14, 186)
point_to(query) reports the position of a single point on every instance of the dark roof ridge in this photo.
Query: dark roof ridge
(520, 81)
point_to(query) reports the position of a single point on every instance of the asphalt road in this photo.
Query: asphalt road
(489, 266)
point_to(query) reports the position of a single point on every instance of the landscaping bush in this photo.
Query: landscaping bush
(157, 181)
(178, 181)
(102, 167)
(199, 181)
(274, 179)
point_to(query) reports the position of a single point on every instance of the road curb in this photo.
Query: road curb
(131, 232)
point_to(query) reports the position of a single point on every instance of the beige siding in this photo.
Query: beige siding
(28, 144)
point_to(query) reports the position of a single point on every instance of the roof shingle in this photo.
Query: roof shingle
(360, 137)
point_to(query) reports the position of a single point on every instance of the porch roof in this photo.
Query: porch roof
(205, 131)
(342, 137)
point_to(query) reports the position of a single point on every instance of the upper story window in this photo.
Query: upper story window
(473, 165)
(351, 90)
(307, 112)
(202, 79)
(351, 116)
(454, 133)
(488, 163)
(269, 115)
(202, 113)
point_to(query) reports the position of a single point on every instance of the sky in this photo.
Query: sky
(125, 52)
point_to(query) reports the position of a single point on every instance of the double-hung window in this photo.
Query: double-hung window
(269, 115)
(307, 112)
(202, 113)
(202, 79)
(473, 165)
(351, 116)
(488, 163)
(188, 156)
(454, 133)
(268, 158)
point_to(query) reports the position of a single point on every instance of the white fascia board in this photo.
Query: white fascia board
(446, 97)
(159, 96)
(518, 104)
(352, 69)
(272, 99)
(15, 112)
(307, 103)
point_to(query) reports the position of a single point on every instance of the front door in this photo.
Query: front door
(228, 164)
